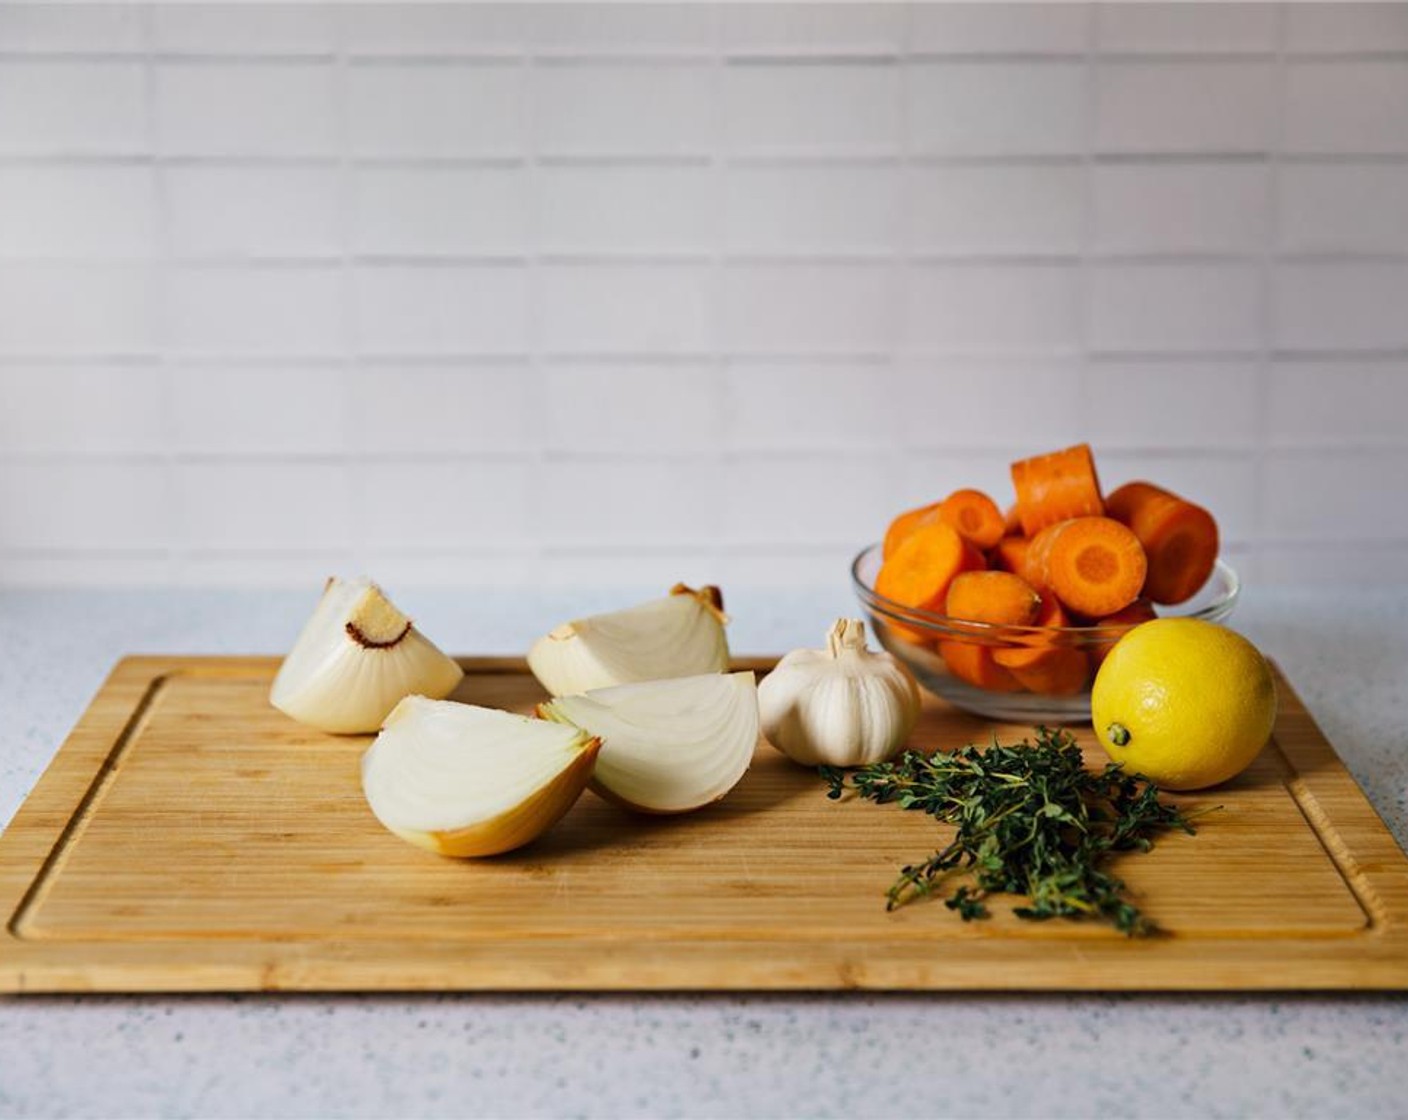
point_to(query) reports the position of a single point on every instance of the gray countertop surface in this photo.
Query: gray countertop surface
(1346, 652)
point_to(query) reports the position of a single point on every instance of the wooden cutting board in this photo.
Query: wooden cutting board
(187, 837)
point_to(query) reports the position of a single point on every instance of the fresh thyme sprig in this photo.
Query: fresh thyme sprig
(1031, 820)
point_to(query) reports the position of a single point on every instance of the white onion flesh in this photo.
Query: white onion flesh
(668, 746)
(678, 636)
(462, 780)
(356, 659)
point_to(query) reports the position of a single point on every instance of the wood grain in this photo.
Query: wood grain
(189, 837)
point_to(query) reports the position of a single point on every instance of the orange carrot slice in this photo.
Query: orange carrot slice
(1011, 522)
(1094, 565)
(924, 564)
(974, 664)
(1041, 665)
(1056, 487)
(1010, 555)
(975, 516)
(905, 524)
(998, 598)
(1180, 539)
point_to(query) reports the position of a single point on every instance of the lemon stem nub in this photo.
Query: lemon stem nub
(1118, 734)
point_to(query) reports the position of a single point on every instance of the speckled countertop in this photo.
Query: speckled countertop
(659, 1055)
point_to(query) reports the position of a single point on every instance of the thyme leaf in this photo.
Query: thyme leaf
(1031, 821)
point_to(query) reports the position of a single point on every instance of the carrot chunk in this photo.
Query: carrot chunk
(975, 516)
(1180, 539)
(1010, 554)
(1042, 665)
(1056, 487)
(922, 567)
(905, 524)
(1094, 565)
(1012, 522)
(973, 663)
(998, 598)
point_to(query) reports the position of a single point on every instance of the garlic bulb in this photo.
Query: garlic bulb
(841, 706)
(668, 746)
(467, 781)
(677, 636)
(357, 657)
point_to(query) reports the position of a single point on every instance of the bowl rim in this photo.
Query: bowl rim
(1219, 608)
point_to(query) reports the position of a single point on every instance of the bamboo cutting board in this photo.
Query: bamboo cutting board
(187, 837)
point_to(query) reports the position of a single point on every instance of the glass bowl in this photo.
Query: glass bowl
(914, 636)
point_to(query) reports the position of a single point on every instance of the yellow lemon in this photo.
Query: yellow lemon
(1188, 704)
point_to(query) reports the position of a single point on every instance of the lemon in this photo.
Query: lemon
(1188, 704)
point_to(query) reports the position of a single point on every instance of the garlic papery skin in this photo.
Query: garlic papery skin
(668, 746)
(678, 636)
(356, 659)
(461, 780)
(839, 706)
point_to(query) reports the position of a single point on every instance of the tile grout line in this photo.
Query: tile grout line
(352, 412)
(161, 280)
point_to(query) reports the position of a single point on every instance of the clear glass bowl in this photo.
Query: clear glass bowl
(914, 636)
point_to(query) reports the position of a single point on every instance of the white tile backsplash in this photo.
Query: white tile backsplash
(1344, 207)
(1179, 308)
(441, 409)
(1338, 403)
(237, 109)
(615, 308)
(255, 310)
(625, 209)
(1327, 305)
(590, 292)
(225, 211)
(808, 308)
(1224, 27)
(418, 210)
(82, 410)
(1358, 106)
(599, 109)
(48, 211)
(775, 109)
(1018, 210)
(403, 309)
(253, 410)
(993, 308)
(970, 108)
(630, 410)
(1165, 404)
(76, 308)
(813, 210)
(1220, 107)
(1198, 207)
(52, 108)
(443, 110)
(1346, 27)
(969, 28)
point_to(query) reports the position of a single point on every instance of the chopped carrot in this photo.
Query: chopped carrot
(1011, 522)
(1036, 559)
(1043, 665)
(997, 598)
(917, 575)
(975, 516)
(1010, 554)
(905, 524)
(1141, 610)
(1094, 565)
(973, 663)
(1179, 537)
(1056, 487)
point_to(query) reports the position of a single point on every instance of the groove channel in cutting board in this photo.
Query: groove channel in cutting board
(204, 839)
